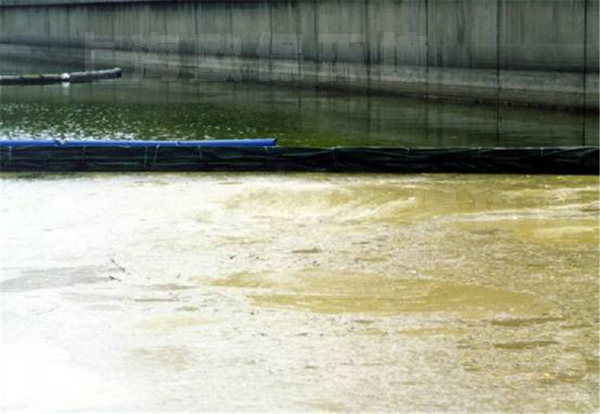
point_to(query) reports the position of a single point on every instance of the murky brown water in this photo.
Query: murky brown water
(300, 292)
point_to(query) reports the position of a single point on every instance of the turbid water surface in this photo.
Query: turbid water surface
(299, 292)
(294, 292)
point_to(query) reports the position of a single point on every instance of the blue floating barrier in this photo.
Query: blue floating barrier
(263, 142)
(29, 143)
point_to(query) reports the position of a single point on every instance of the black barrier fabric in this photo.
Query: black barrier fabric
(565, 160)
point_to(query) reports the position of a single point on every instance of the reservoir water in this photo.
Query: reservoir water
(347, 292)
(153, 109)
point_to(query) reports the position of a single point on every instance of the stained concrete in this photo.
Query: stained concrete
(542, 52)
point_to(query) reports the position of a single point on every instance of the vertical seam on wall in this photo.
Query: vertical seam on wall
(47, 9)
(195, 9)
(369, 66)
(113, 31)
(270, 9)
(585, 12)
(68, 39)
(192, 10)
(316, 40)
(231, 17)
(427, 71)
(368, 47)
(498, 72)
(270, 6)
(118, 11)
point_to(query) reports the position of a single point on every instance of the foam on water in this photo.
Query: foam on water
(300, 291)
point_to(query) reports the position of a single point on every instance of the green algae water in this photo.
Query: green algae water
(124, 109)
(295, 292)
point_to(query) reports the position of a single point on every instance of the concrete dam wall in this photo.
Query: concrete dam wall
(533, 52)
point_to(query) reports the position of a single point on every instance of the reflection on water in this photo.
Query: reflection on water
(153, 109)
(302, 292)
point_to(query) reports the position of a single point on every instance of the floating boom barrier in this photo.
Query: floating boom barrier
(59, 143)
(263, 155)
(73, 77)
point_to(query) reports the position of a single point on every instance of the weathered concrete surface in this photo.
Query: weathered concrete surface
(542, 52)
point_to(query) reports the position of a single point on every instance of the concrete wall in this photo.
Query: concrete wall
(540, 52)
